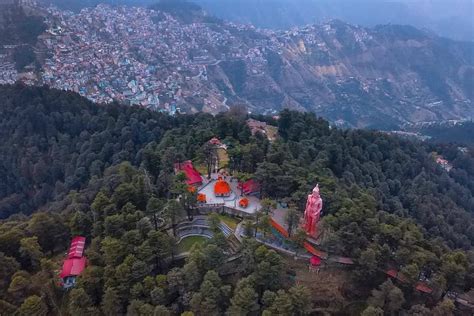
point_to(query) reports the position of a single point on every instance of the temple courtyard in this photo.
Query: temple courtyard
(232, 200)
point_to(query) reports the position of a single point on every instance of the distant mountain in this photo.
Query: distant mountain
(461, 133)
(381, 77)
(450, 18)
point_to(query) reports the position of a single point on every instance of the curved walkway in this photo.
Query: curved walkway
(199, 227)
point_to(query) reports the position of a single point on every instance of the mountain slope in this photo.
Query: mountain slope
(380, 77)
(365, 77)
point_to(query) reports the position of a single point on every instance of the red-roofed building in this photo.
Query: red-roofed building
(423, 287)
(75, 262)
(73, 267)
(397, 275)
(193, 177)
(249, 187)
(392, 273)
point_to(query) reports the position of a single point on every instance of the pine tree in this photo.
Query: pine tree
(301, 300)
(282, 305)
(161, 310)
(31, 252)
(372, 311)
(244, 300)
(33, 305)
(79, 303)
(111, 304)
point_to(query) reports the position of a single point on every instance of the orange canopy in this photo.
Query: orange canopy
(222, 188)
(244, 202)
(201, 198)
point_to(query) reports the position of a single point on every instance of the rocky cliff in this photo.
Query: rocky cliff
(379, 77)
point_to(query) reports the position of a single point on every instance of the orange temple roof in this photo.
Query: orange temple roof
(221, 187)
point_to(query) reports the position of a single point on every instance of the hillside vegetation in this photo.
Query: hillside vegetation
(105, 171)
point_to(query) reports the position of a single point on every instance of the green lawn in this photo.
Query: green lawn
(229, 221)
(186, 244)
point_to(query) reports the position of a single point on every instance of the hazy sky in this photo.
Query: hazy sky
(451, 18)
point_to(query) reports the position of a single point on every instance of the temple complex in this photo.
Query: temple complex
(220, 190)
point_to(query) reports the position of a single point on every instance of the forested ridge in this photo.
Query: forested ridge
(462, 133)
(82, 168)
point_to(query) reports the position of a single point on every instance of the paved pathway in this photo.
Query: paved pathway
(239, 231)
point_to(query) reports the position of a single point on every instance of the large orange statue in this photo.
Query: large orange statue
(312, 213)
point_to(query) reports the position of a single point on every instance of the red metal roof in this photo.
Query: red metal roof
(193, 176)
(76, 250)
(279, 228)
(73, 267)
(397, 275)
(314, 251)
(75, 261)
(392, 272)
(422, 287)
(250, 186)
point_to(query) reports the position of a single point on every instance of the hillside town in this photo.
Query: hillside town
(160, 59)
(141, 57)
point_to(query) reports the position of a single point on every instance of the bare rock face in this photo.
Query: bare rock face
(380, 77)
